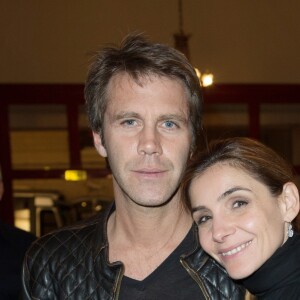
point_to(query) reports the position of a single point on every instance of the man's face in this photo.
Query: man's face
(147, 137)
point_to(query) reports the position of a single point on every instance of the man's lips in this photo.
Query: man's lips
(235, 250)
(150, 172)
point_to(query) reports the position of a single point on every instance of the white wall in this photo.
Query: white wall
(240, 41)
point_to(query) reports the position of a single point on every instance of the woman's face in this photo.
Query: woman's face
(240, 223)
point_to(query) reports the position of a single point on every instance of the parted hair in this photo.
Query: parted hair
(139, 58)
(258, 160)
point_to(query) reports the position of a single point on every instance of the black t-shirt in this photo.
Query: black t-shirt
(170, 281)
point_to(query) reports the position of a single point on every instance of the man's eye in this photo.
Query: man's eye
(239, 203)
(129, 122)
(170, 124)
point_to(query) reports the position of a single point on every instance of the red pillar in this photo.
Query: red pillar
(6, 204)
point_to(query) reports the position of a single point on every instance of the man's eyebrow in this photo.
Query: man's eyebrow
(132, 114)
(179, 117)
(125, 114)
(222, 196)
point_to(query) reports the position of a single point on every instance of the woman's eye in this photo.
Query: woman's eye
(239, 203)
(202, 220)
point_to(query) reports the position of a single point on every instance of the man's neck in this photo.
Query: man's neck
(142, 238)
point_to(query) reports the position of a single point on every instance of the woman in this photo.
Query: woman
(243, 199)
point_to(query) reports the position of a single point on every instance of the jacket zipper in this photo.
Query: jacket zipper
(118, 284)
(196, 277)
(192, 273)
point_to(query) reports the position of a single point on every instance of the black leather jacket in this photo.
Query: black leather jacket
(72, 263)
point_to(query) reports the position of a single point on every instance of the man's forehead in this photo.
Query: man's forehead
(121, 79)
(127, 96)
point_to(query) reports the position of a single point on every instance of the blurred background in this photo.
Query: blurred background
(51, 172)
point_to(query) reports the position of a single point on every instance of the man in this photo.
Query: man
(144, 106)
(13, 245)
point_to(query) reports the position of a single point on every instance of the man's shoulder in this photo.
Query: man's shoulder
(218, 284)
(71, 241)
(64, 262)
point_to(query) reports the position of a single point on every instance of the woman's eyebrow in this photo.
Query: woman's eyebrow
(222, 196)
(232, 190)
(197, 208)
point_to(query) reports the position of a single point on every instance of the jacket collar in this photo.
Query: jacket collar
(100, 235)
(196, 258)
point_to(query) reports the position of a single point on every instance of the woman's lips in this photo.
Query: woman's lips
(235, 250)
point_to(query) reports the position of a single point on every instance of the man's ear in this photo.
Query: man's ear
(289, 202)
(99, 145)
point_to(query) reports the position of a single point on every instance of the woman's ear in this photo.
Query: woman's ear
(99, 144)
(289, 202)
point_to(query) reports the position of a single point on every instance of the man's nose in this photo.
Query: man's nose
(149, 141)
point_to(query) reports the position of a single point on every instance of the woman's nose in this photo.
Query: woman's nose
(222, 227)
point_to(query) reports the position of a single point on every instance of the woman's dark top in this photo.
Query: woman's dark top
(279, 277)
